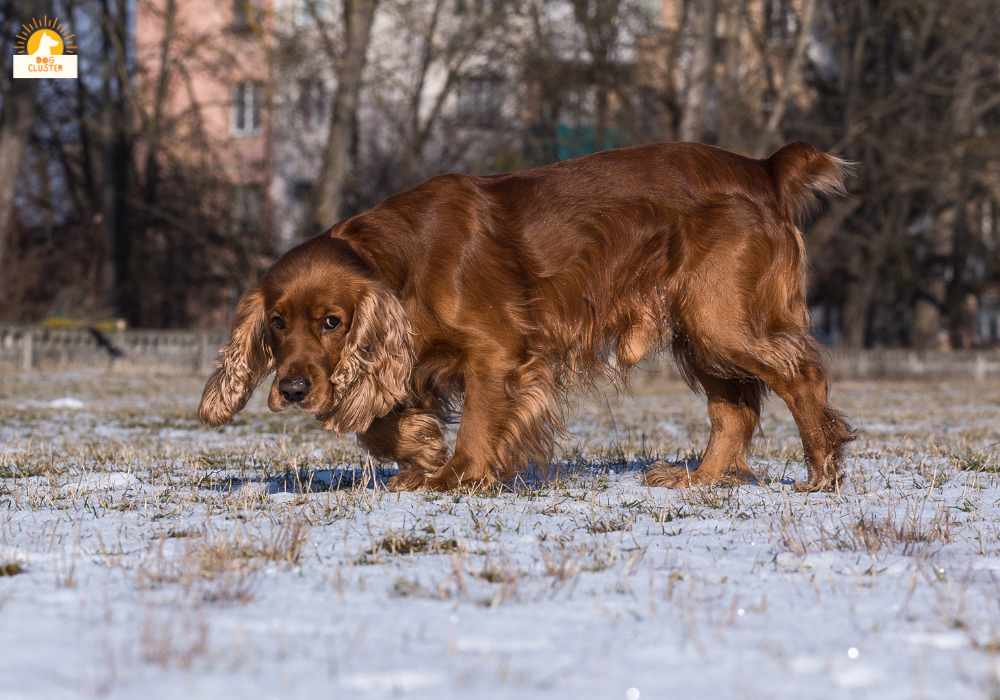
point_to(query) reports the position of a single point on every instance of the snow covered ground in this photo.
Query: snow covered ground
(144, 556)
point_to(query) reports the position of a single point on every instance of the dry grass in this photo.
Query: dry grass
(493, 572)
(171, 643)
(976, 461)
(11, 568)
(404, 544)
(602, 525)
(907, 534)
(220, 567)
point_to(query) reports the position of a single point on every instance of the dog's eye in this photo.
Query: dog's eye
(278, 323)
(330, 323)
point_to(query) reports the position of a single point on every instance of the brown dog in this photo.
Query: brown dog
(505, 290)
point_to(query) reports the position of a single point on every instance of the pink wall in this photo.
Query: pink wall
(209, 57)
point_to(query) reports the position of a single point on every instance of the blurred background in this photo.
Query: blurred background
(205, 137)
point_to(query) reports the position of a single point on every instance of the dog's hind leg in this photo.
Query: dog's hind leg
(734, 412)
(823, 430)
(744, 315)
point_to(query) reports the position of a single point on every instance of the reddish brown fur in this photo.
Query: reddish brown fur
(503, 291)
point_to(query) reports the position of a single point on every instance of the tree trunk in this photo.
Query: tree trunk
(702, 74)
(15, 126)
(929, 307)
(359, 16)
(858, 296)
(125, 294)
(927, 318)
(151, 171)
(961, 328)
(601, 127)
(772, 129)
(865, 260)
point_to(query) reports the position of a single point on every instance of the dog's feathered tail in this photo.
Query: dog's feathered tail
(800, 172)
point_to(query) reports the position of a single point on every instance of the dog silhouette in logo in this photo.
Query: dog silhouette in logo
(46, 42)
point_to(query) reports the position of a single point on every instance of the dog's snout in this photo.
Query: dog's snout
(294, 389)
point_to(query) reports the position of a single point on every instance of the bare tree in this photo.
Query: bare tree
(349, 54)
(908, 94)
(415, 84)
(701, 77)
(118, 156)
(15, 124)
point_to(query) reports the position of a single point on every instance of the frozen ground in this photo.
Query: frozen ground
(143, 556)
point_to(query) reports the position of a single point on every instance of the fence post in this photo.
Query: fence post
(204, 353)
(27, 351)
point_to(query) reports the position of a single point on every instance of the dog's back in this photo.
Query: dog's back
(612, 245)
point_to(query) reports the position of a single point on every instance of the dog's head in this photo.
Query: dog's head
(337, 340)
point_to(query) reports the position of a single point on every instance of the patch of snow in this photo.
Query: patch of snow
(489, 645)
(100, 481)
(941, 640)
(854, 674)
(391, 681)
(807, 664)
(67, 402)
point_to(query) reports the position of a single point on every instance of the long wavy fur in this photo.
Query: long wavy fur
(375, 365)
(243, 362)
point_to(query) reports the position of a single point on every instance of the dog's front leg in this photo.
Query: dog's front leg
(480, 433)
(511, 418)
(411, 437)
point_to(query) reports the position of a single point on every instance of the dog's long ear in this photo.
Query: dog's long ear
(243, 362)
(373, 373)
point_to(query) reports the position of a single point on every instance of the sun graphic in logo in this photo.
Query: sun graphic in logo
(45, 37)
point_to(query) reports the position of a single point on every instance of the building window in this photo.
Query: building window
(248, 208)
(480, 100)
(578, 106)
(247, 97)
(305, 13)
(245, 14)
(481, 7)
(780, 19)
(311, 104)
(301, 191)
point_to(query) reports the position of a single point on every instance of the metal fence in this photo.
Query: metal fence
(27, 348)
(897, 363)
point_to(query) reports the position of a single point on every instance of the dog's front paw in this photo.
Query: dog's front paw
(408, 480)
(459, 472)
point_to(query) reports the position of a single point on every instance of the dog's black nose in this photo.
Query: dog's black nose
(294, 389)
